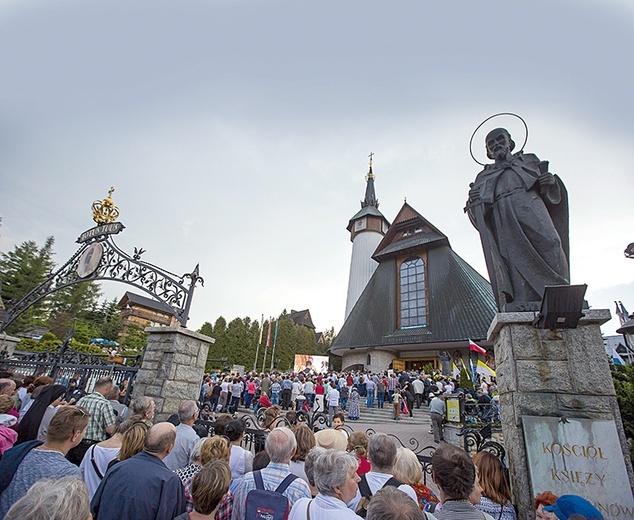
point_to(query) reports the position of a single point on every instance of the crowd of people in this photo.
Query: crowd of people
(347, 392)
(91, 459)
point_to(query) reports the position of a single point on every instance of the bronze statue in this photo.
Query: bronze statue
(521, 212)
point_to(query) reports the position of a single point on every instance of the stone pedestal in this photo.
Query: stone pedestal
(172, 369)
(546, 373)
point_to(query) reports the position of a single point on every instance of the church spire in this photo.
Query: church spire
(370, 195)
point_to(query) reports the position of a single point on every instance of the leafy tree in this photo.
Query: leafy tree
(238, 342)
(22, 270)
(85, 331)
(135, 338)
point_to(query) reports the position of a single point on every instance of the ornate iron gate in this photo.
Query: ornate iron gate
(98, 258)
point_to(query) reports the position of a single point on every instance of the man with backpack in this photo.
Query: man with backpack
(382, 455)
(280, 490)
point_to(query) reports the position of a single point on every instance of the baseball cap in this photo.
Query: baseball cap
(568, 505)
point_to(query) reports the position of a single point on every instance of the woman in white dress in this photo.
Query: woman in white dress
(94, 465)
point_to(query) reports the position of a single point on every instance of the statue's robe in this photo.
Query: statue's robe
(523, 228)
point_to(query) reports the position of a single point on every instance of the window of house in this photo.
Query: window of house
(413, 304)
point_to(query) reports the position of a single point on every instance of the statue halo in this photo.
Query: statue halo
(488, 119)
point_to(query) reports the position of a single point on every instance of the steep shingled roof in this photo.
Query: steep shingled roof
(302, 318)
(460, 301)
(148, 303)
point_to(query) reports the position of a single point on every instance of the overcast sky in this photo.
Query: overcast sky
(236, 132)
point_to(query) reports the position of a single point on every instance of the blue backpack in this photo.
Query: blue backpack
(263, 504)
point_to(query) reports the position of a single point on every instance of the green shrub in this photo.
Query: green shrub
(623, 377)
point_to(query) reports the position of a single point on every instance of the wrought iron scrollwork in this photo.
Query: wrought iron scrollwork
(115, 264)
(476, 440)
(315, 421)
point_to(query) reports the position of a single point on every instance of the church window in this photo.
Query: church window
(413, 302)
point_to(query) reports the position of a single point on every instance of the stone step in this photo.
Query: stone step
(384, 416)
(381, 416)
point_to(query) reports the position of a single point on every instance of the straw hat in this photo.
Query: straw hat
(331, 440)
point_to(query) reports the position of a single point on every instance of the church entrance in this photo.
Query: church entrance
(420, 364)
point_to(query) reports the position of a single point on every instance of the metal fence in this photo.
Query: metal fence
(85, 369)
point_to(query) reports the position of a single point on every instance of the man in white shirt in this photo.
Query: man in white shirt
(382, 455)
(333, 402)
(419, 390)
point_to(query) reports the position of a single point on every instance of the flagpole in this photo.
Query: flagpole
(268, 342)
(274, 342)
(257, 350)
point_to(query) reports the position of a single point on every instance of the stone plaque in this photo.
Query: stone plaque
(579, 457)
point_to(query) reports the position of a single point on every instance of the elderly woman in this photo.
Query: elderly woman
(335, 474)
(142, 409)
(408, 470)
(56, 499)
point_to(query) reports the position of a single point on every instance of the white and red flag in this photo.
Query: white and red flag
(476, 348)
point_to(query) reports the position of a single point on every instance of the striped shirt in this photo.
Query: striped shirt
(101, 416)
(459, 510)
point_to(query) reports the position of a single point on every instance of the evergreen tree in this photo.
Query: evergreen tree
(75, 302)
(21, 271)
(238, 342)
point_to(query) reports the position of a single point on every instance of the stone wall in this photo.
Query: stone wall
(172, 369)
(380, 359)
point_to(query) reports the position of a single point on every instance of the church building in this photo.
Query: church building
(412, 301)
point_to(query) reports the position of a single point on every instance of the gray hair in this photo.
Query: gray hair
(382, 452)
(390, 502)
(280, 444)
(186, 410)
(331, 470)
(309, 463)
(53, 499)
(195, 454)
(141, 406)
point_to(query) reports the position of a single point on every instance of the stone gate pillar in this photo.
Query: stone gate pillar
(543, 376)
(172, 369)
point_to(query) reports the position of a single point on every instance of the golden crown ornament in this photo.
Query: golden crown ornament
(104, 211)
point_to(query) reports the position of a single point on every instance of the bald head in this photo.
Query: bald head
(159, 439)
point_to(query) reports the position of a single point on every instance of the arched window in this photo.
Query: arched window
(413, 304)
